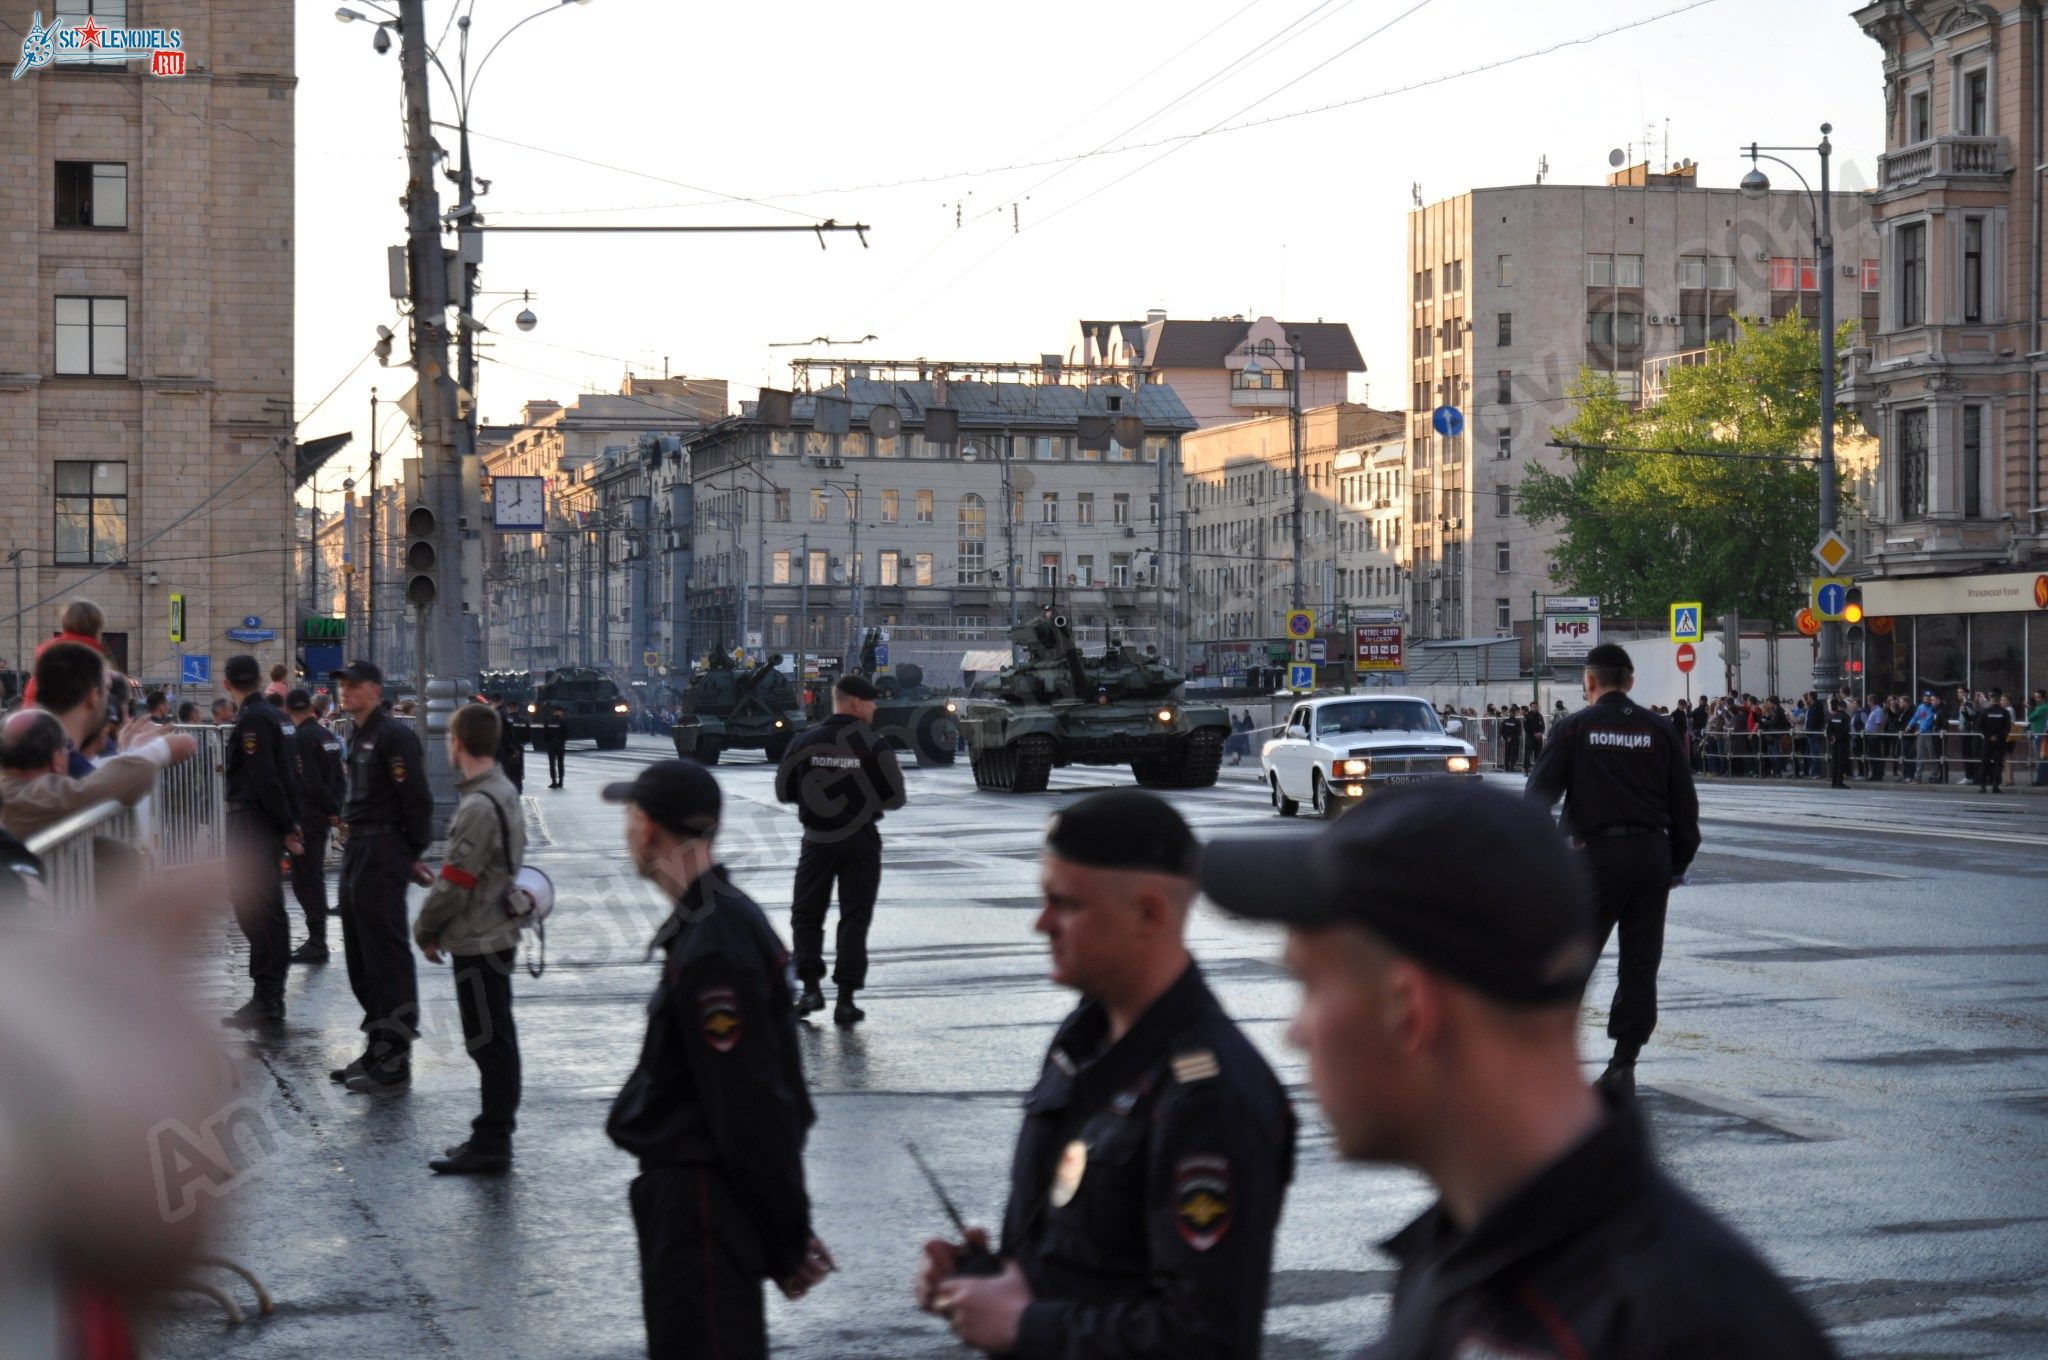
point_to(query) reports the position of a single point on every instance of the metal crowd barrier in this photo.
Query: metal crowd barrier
(70, 850)
(1923, 757)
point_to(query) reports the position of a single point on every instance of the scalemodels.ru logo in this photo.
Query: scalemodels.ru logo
(89, 44)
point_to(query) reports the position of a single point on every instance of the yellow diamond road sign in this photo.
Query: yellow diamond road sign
(1831, 552)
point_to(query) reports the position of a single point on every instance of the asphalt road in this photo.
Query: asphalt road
(1852, 1066)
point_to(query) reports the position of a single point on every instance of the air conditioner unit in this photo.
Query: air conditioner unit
(1130, 531)
(1455, 523)
(1763, 257)
(1435, 572)
(1850, 271)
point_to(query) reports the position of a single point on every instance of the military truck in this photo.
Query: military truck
(1055, 707)
(591, 703)
(726, 709)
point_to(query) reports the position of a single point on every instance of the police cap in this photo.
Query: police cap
(1124, 829)
(680, 796)
(242, 671)
(1471, 882)
(298, 701)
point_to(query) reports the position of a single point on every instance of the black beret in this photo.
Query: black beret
(1124, 829)
(677, 795)
(1611, 656)
(1472, 882)
(857, 687)
(242, 670)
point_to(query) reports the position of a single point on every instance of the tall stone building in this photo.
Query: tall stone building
(146, 334)
(1951, 380)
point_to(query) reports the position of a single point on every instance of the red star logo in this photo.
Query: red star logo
(89, 34)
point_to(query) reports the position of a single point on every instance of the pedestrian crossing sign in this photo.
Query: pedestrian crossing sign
(1685, 621)
(1301, 677)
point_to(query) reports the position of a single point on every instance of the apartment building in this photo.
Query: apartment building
(1514, 290)
(1950, 381)
(1237, 493)
(146, 336)
(1224, 369)
(1046, 494)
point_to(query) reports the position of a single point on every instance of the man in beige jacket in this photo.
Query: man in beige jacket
(464, 917)
(35, 791)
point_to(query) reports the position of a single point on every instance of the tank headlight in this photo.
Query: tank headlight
(952, 707)
(1459, 764)
(622, 708)
(1166, 715)
(1354, 767)
(778, 722)
(530, 708)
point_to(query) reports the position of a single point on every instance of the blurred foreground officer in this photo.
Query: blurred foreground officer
(1440, 1013)
(323, 792)
(263, 826)
(842, 777)
(390, 824)
(1157, 1145)
(716, 1110)
(1629, 804)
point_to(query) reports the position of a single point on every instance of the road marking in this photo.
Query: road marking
(1808, 1130)
(1870, 829)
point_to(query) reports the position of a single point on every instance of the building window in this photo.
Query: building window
(1870, 276)
(1973, 269)
(92, 194)
(1120, 569)
(892, 447)
(817, 505)
(1507, 330)
(92, 513)
(1084, 507)
(1084, 569)
(109, 14)
(891, 505)
(1504, 387)
(779, 568)
(1913, 274)
(923, 565)
(1692, 271)
(1263, 379)
(816, 565)
(852, 504)
(1503, 444)
(1912, 464)
(1120, 508)
(1794, 274)
(1503, 615)
(782, 505)
(1612, 329)
(1919, 116)
(924, 507)
(1504, 270)
(891, 567)
(92, 336)
(1977, 102)
(1500, 557)
(1503, 501)
(1973, 462)
(973, 521)
(1049, 570)
(1049, 507)
(1614, 271)
(1156, 447)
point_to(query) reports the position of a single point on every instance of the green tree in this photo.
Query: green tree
(1717, 522)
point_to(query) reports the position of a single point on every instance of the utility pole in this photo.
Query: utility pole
(859, 576)
(803, 608)
(439, 618)
(1827, 661)
(1535, 654)
(1009, 532)
(1294, 432)
(370, 566)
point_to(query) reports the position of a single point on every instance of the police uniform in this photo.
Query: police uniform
(263, 810)
(716, 1109)
(390, 825)
(1629, 803)
(555, 736)
(1149, 1173)
(1995, 724)
(842, 777)
(1838, 744)
(323, 792)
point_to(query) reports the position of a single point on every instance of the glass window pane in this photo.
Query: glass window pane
(110, 195)
(74, 479)
(109, 530)
(1938, 652)
(2037, 653)
(110, 479)
(72, 543)
(1996, 645)
(74, 311)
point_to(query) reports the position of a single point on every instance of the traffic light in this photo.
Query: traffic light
(1852, 606)
(422, 556)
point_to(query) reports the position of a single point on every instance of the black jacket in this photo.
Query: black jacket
(719, 1080)
(387, 783)
(840, 775)
(323, 779)
(1615, 763)
(1147, 1185)
(258, 774)
(1600, 1257)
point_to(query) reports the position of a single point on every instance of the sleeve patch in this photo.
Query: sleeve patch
(461, 878)
(1201, 1200)
(718, 1014)
(249, 743)
(398, 769)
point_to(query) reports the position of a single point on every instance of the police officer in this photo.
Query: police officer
(263, 824)
(512, 740)
(1439, 1012)
(555, 736)
(1629, 804)
(390, 824)
(323, 791)
(1838, 742)
(1994, 724)
(1157, 1145)
(1511, 738)
(842, 777)
(716, 1109)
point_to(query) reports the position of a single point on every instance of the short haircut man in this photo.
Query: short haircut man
(476, 728)
(67, 674)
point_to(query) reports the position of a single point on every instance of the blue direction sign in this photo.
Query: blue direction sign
(252, 634)
(881, 655)
(195, 670)
(1301, 677)
(1447, 421)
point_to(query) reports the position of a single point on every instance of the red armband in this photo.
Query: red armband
(461, 878)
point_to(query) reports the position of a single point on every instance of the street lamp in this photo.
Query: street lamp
(970, 452)
(1827, 661)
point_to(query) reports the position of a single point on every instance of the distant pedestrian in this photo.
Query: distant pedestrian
(223, 712)
(2037, 735)
(1511, 737)
(555, 734)
(1994, 727)
(511, 741)
(1837, 730)
(188, 712)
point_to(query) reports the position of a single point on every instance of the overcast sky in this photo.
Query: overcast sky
(622, 111)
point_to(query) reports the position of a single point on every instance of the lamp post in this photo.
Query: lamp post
(857, 577)
(969, 453)
(1827, 661)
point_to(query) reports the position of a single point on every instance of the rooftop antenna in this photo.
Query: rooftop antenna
(1667, 143)
(1415, 190)
(1542, 168)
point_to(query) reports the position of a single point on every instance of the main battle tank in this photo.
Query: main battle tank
(1056, 707)
(726, 709)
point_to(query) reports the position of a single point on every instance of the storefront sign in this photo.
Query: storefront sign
(2014, 590)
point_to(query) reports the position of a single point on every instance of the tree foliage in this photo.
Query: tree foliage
(1641, 530)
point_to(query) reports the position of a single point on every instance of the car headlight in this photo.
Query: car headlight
(1354, 790)
(622, 708)
(1165, 715)
(1459, 764)
(1354, 767)
(531, 708)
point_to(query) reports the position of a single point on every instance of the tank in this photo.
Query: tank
(726, 709)
(591, 703)
(1056, 707)
(911, 715)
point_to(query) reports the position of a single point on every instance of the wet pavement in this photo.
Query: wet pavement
(1851, 1065)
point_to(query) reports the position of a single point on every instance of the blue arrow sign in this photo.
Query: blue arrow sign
(1447, 421)
(195, 670)
(1831, 598)
(1301, 677)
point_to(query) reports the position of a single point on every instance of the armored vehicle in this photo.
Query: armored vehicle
(592, 706)
(912, 715)
(1056, 707)
(726, 709)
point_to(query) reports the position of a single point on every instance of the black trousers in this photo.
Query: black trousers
(483, 993)
(259, 901)
(1838, 762)
(375, 869)
(1991, 765)
(1631, 882)
(855, 864)
(309, 880)
(558, 761)
(700, 1267)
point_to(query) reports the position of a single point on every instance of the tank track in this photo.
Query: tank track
(1024, 767)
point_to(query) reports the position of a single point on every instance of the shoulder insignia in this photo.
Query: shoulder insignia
(1201, 1200)
(398, 769)
(718, 1013)
(1197, 1065)
(249, 743)
(1063, 1062)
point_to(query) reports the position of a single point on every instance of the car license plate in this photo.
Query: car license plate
(1401, 779)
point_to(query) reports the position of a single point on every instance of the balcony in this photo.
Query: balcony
(1655, 370)
(1952, 157)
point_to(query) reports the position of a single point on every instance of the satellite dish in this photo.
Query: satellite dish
(885, 422)
(1130, 431)
(1616, 157)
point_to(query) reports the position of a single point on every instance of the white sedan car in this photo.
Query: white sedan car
(1334, 750)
